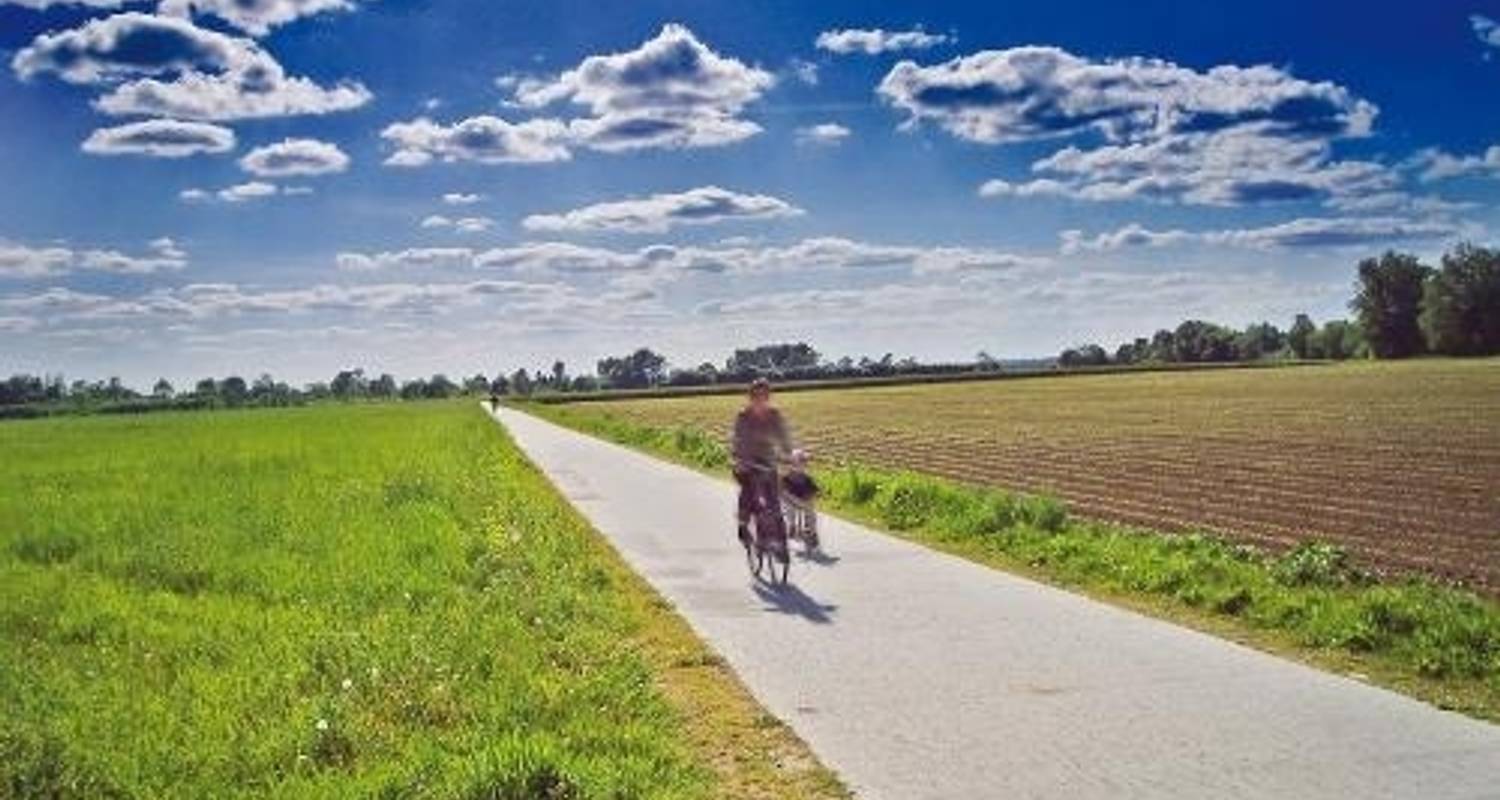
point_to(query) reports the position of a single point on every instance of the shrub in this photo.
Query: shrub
(1315, 564)
(910, 501)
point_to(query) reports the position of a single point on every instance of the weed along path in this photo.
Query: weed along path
(916, 674)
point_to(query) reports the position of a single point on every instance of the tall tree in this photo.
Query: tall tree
(1300, 338)
(1388, 301)
(1461, 303)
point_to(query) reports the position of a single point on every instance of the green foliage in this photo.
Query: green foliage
(1315, 564)
(1461, 303)
(333, 601)
(1388, 301)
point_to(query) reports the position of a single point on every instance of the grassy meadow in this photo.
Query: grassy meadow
(341, 601)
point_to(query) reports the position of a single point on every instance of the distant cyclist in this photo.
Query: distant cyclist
(760, 441)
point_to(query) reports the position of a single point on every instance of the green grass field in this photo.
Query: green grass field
(367, 601)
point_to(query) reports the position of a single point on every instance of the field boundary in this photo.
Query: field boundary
(792, 385)
(1428, 640)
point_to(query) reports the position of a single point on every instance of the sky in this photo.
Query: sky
(211, 187)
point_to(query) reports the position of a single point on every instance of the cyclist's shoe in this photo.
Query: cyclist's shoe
(744, 535)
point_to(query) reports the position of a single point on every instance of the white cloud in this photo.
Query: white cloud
(462, 199)
(661, 263)
(256, 17)
(193, 196)
(1305, 232)
(1486, 29)
(804, 71)
(259, 90)
(179, 70)
(828, 133)
(875, 41)
(460, 224)
(18, 261)
(1433, 164)
(128, 45)
(160, 138)
(295, 157)
(671, 92)
(252, 190)
(661, 212)
(485, 139)
(1229, 135)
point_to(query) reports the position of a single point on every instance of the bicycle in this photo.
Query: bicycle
(766, 551)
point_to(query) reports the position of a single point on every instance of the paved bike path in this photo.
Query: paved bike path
(916, 674)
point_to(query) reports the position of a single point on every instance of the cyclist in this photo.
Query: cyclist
(760, 440)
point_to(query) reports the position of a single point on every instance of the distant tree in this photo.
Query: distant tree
(206, 388)
(1461, 303)
(520, 383)
(559, 375)
(772, 359)
(349, 384)
(234, 391)
(499, 385)
(163, 389)
(1338, 340)
(585, 383)
(1299, 340)
(1259, 340)
(414, 390)
(1388, 302)
(438, 386)
(477, 384)
(639, 369)
(384, 387)
(1089, 355)
(317, 390)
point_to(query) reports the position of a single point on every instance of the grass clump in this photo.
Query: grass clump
(1434, 640)
(332, 601)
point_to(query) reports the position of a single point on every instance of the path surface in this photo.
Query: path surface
(916, 674)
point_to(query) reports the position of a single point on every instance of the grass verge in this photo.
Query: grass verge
(1429, 640)
(342, 601)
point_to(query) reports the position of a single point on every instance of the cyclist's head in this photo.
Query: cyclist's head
(760, 391)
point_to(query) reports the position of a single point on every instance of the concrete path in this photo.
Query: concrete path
(919, 675)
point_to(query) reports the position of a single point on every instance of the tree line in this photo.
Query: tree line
(1402, 308)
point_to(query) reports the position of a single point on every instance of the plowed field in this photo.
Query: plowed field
(1398, 462)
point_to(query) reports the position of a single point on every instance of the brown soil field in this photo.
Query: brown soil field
(1398, 462)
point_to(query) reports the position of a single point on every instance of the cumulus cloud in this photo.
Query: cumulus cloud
(201, 301)
(460, 224)
(1486, 29)
(462, 199)
(1433, 164)
(1305, 232)
(19, 261)
(485, 139)
(803, 70)
(827, 133)
(241, 192)
(1225, 136)
(671, 92)
(661, 212)
(295, 157)
(128, 45)
(173, 68)
(160, 138)
(256, 17)
(874, 41)
(661, 263)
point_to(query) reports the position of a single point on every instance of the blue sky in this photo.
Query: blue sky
(197, 187)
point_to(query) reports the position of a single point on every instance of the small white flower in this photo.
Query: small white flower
(348, 684)
(322, 724)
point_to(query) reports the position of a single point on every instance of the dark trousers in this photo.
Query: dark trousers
(753, 481)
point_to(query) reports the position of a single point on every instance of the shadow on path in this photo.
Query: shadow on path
(818, 557)
(789, 599)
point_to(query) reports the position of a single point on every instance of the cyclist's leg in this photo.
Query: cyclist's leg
(746, 505)
(771, 492)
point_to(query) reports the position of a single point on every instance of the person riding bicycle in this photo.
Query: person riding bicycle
(760, 441)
